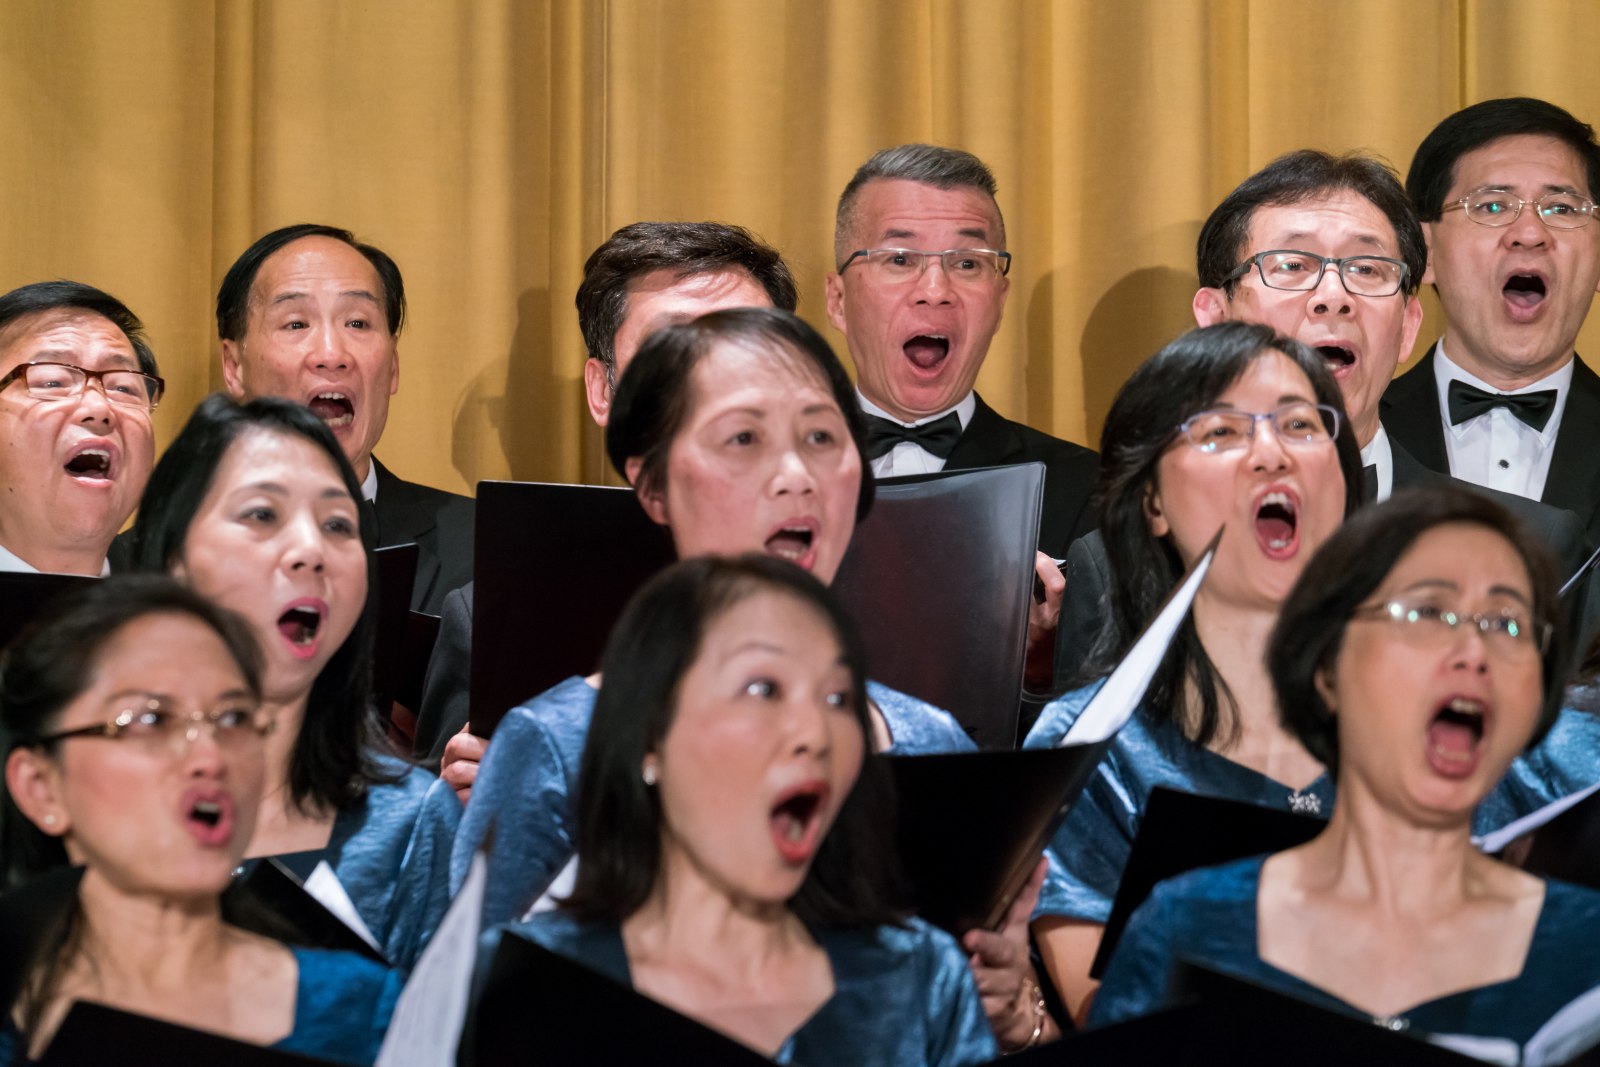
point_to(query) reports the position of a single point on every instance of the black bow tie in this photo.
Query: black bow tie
(1468, 402)
(937, 438)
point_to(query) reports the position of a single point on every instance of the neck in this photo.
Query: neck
(278, 821)
(52, 557)
(361, 465)
(148, 941)
(1235, 638)
(1499, 373)
(1365, 426)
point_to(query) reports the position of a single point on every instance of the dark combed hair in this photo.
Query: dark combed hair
(50, 663)
(1351, 566)
(1184, 378)
(332, 762)
(233, 296)
(1433, 168)
(1297, 178)
(653, 399)
(75, 296)
(925, 164)
(852, 882)
(684, 248)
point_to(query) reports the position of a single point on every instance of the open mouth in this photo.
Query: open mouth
(792, 543)
(796, 821)
(1525, 292)
(299, 626)
(91, 463)
(927, 351)
(209, 817)
(333, 408)
(1337, 357)
(1455, 734)
(1277, 524)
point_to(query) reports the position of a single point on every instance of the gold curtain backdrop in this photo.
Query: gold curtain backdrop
(490, 145)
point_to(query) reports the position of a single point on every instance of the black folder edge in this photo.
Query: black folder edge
(955, 895)
(305, 921)
(1185, 831)
(583, 1015)
(395, 571)
(1563, 848)
(96, 1033)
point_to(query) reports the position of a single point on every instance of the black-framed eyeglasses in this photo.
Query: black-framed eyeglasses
(1426, 622)
(1226, 430)
(63, 381)
(1296, 271)
(159, 727)
(961, 265)
(1561, 211)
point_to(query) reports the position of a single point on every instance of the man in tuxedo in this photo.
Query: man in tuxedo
(311, 314)
(644, 277)
(918, 294)
(1505, 190)
(78, 383)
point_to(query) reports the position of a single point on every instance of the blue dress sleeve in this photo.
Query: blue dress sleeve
(342, 1006)
(917, 727)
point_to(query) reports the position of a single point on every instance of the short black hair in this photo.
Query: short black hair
(926, 164)
(1184, 378)
(1351, 565)
(1295, 179)
(233, 295)
(332, 761)
(852, 882)
(1433, 168)
(686, 249)
(76, 296)
(53, 659)
(652, 400)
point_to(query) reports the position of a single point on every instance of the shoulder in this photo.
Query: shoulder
(343, 1005)
(408, 782)
(915, 948)
(916, 725)
(1053, 451)
(562, 711)
(1570, 908)
(1414, 383)
(1059, 715)
(1236, 882)
(595, 944)
(398, 489)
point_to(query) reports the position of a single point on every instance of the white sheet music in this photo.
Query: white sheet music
(326, 887)
(560, 888)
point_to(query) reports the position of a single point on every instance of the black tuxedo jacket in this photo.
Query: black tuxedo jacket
(991, 440)
(441, 525)
(1410, 409)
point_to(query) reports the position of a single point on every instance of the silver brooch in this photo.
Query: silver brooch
(1305, 803)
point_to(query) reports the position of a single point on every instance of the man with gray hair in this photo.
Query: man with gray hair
(919, 291)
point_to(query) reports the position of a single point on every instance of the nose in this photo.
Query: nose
(93, 404)
(328, 351)
(1470, 651)
(793, 475)
(202, 755)
(1330, 297)
(1527, 230)
(1267, 451)
(809, 721)
(933, 285)
(305, 546)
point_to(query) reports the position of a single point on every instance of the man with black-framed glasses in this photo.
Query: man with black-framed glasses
(78, 384)
(1505, 191)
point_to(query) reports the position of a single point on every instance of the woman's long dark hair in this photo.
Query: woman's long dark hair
(1183, 379)
(332, 762)
(852, 881)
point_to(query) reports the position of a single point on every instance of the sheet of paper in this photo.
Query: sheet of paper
(426, 1028)
(326, 887)
(1114, 705)
(565, 879)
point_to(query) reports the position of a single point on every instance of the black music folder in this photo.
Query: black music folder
(972, 825)
(939, 578)
(1560, 841)
(275, 885)
(95, 1033)
(24, 595)
(1185, 831)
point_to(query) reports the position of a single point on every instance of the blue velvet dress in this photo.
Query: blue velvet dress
(1093, 842)
(902, 997)
(1209, 916)
(525, 785)
(342, 1007)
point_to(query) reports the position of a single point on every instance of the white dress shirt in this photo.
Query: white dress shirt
(369, 485)
(1497, 449)
(1379, 453)
(909, 458)
(12, 563)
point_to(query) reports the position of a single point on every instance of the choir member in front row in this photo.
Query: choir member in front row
(733, 842)
(739, 432)
(1420, 652)
(255, 506)
(136, 746)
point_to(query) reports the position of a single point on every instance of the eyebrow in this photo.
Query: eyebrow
(966, 231)
(332, 492)
(753, 645)
(285, 298)
(1501, 187)
(1285, 398)
(58, 355)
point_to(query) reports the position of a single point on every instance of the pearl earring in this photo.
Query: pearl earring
(49, 820)
(649, 774)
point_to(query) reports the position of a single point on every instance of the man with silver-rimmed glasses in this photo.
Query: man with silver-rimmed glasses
(78, 384)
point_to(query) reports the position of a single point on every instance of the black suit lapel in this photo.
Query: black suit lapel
(1410, 410)
(987, 441)
(1574, 479)
(402, 519)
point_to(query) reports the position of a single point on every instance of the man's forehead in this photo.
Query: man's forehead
(64, 331)
(1504, 163)
(315, 263)
(896, 208)
(670, 292)
(1338, 216)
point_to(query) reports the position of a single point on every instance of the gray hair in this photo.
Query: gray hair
(926, 164)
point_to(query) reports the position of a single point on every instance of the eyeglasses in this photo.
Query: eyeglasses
(1561, 211)
(1226, 430)
(1285, 268)
(159, 728)
(963, 266)
(63, 381)
(1426, 623)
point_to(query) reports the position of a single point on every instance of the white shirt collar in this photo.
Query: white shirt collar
(1446, 370)
(12, 563)
(963, 410)
(369, 485)
(1379, 453)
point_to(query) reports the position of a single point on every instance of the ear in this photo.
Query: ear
(1427, 237)
(1210, 306)
(1159, 526)
(31, 780)
(835, 286)
(1322, 678)
(654, 501)
(232, 369)
(597, 391)
(1412, 325)
(1000, 304)
(394, 367)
